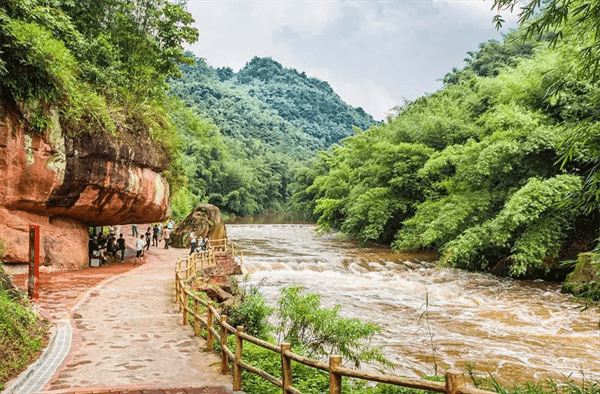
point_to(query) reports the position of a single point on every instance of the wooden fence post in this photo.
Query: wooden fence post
(335, 379)
(237, 370)
(223, 334)
(454, 382)
(179, 295)
(176, 286)
(286, 367)
(209, 324)
(185, 311)
(196, 320)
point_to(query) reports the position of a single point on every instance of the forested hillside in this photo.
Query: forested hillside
(497, 170)
(242, 137)
(308, 103)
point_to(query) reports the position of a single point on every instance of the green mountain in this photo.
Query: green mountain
(308, 103)
(244, 133)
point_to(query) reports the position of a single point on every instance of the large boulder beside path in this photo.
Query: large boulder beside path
(205, 221)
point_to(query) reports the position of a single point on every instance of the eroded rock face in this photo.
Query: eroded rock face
(65, 184)
(205, 221)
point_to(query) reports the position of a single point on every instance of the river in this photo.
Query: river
(515, 330)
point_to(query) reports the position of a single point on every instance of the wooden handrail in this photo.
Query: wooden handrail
(454, 383)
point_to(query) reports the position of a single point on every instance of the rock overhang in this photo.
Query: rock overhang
(85, 180)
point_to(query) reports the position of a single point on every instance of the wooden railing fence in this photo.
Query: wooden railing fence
(187, 267)
(226, 246)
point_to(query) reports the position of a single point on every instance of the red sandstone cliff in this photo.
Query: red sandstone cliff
(65, 184)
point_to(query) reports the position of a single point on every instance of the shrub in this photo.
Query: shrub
(320, 331)
(252, 313)
(22, 333)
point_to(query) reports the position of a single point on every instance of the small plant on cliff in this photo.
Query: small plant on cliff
(2, 248)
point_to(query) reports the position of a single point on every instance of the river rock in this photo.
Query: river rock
(66, 184)
(204, 221)
(223, 281)
(214, 292)
(586, 271)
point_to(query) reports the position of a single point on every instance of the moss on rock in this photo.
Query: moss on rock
(584, 281)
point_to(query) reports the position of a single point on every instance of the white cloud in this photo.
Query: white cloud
(371, 52)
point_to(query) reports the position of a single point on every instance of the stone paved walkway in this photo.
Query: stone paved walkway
(127, 332)
(197, 390)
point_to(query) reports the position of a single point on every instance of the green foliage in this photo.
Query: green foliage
(22, 333)
(546, 386)
(475, 169)
(306, 102)
(566, 20)
(307, 380)
(259, 135)
(252, 313)
(64, 66)
(320, 331)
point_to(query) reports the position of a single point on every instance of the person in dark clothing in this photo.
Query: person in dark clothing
(121, 246)
(111, 248)
(148, 237)
(134, 230)
(155, 231)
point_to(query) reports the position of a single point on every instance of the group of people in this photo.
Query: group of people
(197, 245)
(105, 248)
(108, 247)
(152, 236)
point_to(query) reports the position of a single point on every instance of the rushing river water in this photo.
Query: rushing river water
(515, 330)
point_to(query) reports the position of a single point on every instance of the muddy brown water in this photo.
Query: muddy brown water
(515, 330)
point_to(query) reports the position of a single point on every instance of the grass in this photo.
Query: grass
(23, 334)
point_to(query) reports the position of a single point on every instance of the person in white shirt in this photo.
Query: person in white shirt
(139, 250)
(192, 242)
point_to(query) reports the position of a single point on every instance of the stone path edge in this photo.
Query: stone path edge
(13, 386)
(139, 388)
(24, 378)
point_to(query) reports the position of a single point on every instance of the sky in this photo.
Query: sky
(373, 53)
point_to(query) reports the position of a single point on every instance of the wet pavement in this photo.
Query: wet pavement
(127, 332)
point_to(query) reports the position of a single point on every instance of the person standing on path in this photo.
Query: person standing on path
(139, 250)
(166, 235)
(121, 246)
(155, 231)
(134, 231)
(192, 242)
(148, 237)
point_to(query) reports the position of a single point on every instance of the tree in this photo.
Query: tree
(579, 19)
